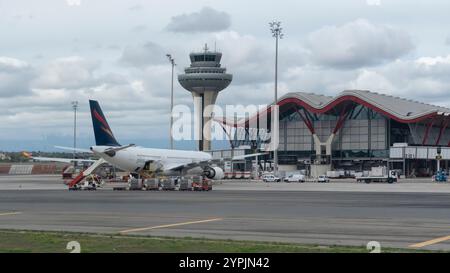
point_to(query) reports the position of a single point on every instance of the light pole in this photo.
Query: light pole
(172, 62)
(75, 108)
(275, 28)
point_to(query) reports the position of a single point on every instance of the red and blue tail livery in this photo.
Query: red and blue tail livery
(103, 133)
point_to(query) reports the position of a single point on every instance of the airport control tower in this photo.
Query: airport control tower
(204, 79)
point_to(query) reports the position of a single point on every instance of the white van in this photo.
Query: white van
(295, 178)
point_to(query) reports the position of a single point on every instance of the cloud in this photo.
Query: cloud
(23, 16)
(12, 65)
(15, 77)
(320, 80)
(252, 62)
(373, 2)
(424, 79)
(427, 78)
(73, 2)
(45, 108)
(357, 44)
(48, 111)
(135, 8)
(372, 80)
(206, 20)
(67, 73)
(143, 55)
(139, 28)
(244, 57)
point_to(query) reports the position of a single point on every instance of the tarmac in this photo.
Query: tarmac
(409, 214)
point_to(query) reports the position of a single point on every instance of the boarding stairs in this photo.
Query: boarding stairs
(87, 172)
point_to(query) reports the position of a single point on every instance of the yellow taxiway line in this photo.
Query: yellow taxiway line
(10, 213)
(431, 242)
(170, 225)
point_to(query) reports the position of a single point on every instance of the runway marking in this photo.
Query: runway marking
(171, 225)
(10, 213)
(431, 242)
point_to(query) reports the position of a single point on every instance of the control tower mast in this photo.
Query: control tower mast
(204, 78)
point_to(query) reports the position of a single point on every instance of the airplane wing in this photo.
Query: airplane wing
(72, 149)
(188, 166)
(55, 159)
(205, 163)
(63, 160)
(174, 167)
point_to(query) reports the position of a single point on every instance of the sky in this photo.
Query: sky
(53, 52)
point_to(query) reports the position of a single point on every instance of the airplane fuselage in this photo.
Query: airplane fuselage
(134, 159)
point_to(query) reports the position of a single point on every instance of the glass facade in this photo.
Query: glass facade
(295, 136)
(435, 135)
(363, 134)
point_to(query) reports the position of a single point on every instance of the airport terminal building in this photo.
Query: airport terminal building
(355, 130)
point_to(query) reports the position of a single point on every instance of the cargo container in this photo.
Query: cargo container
(151, 184)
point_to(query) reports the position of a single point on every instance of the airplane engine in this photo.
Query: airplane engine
(215, 173)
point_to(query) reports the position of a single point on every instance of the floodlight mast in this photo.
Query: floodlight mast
(75, 108)
(276, 29)
(172, 62)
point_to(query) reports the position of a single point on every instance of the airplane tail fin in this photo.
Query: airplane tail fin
(102, 131)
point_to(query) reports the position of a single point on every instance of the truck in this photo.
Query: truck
(200, 183)
(378, 174)
(341, 174)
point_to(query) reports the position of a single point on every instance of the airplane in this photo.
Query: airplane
(136, 159)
